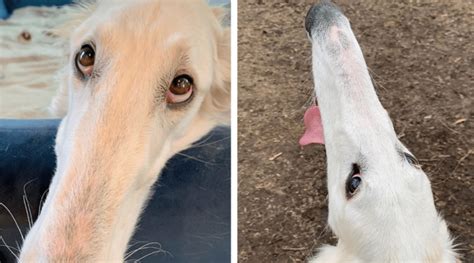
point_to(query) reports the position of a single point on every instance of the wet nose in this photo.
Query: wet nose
(321, 16)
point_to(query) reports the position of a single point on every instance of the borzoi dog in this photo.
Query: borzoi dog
(145, 79)
(380, 201)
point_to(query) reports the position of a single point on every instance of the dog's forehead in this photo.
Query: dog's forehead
(152, 15)
(153, 25)
(149, 25)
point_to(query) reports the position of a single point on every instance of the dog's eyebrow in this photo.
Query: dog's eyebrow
(362, 162)
(400, 152)
(183, 61)
(180, 66)
(173, 39)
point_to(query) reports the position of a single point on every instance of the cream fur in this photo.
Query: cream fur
(392, 218)
(117, 132)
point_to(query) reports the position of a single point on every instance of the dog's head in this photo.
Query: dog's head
(380, 201)
(146, 72)
(144, 80)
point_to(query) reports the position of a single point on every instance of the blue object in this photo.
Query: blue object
(3, 10)
(7, 6)
(14, 4)
(189, 213)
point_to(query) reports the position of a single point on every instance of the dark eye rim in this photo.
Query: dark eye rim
(77, 67)
(355, 173)
(412, 160)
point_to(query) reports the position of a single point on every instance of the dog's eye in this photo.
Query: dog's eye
(353, 181)
(85, 59)
(181, 90)
(353, 184)
(412, 160)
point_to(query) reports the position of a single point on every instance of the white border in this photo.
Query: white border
(234, 146)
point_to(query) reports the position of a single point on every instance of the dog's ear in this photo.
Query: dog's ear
(222, 14)
(217, 104)
(79, 12)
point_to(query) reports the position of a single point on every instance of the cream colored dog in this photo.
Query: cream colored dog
(144, 80)
(381, 206)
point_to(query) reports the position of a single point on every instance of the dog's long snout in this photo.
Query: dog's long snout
(321, 16)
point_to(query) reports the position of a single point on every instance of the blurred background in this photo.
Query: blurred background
(30, 55)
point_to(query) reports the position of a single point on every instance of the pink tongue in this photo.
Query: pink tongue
(313, 127)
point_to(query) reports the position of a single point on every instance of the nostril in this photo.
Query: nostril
(321, 16)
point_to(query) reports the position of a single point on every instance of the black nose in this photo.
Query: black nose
(321, 16)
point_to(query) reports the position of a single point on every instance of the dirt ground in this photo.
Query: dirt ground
(421, 57)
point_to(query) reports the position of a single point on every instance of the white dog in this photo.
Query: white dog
(380, 202)
(144, 80)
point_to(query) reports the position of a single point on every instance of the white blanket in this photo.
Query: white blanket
(29, 57)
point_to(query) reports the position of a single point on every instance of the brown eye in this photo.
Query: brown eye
(181, 85)
(180, 90)
(85, 59)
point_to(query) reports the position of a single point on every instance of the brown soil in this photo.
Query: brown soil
(421, 58)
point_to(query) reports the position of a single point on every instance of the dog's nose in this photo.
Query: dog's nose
(321, 16)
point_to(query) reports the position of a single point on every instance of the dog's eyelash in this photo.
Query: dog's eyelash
(164, 82)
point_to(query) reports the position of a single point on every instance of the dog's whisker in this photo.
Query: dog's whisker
(142, 247)
(9, 248)
(18, 245)
(27, 210)
(27, 204)
(147, 255)
(150, 245)
(377, 83)
(14, 220)
(195, 158)
(208, 144)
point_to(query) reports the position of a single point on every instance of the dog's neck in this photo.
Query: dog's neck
(437, 249)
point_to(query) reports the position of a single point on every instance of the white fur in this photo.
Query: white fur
(392, 218)
(117, 132)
